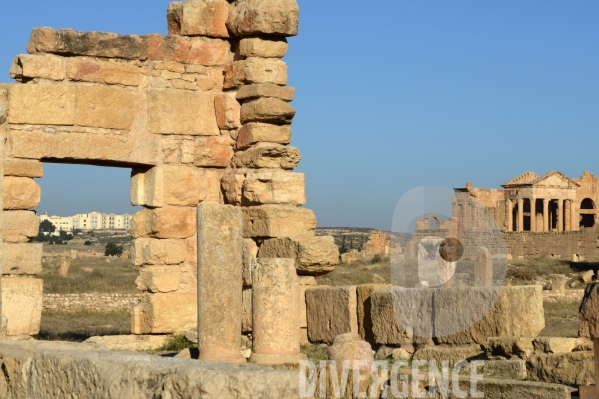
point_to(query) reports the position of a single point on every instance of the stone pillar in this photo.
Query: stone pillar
(558, 284)
(520, 214)
(573, 218)
(275, 314)
(2, 324)
(220, 308)
(545, 215)
(533, 214)
(510, 218)
(560, 215)
(483, 269)
(567, 206)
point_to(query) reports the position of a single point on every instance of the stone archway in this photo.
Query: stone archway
(588, 213)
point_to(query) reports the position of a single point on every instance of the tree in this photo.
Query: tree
(113, 249)
(65, 236)
(46, 226)
(87, 243)
(76, 232)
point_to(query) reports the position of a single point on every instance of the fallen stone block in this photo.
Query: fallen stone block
(587, 276)
(25, 258)
(263, 48)
(198, 18)
(576, 368)
(21, 193)
(330, 311)
(508, 347)
(23, 168)
(37, 66)
(267, 110)
(255, 70)
(268, 156)
(129, 343)
(22, 304)
(20, 226)
(256, 17)
(278, 221)
(250, 92)
(253, 133)
(313, 255)
(551, 345)
(349, 346)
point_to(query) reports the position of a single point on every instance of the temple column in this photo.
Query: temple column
(573, 218)
(567, 206)
(545, 215)
(520, 214)
(560, 215)
(533, 214)
(510, 218)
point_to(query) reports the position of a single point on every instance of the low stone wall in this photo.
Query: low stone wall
(94, 301)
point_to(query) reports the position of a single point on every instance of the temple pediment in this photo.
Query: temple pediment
(524, 178)
(554, 179)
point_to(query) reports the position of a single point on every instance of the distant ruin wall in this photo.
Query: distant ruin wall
(570, 245)
(93, 302)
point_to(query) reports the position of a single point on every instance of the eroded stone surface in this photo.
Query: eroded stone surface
(21, 193)
(268, 156)
(274, 187)
(23, 258)
(278, 221)
(22, 304)
(265, 48)
(255, 132)
(331, 311)
(150, 251)
(252, 17)
(171, 222)
(313, 255)
(20, 226)
(198, 18)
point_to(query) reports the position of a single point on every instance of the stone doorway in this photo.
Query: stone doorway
(588, 213)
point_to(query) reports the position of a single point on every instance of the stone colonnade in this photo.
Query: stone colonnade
(563, 209)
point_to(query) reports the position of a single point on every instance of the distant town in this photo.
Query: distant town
(88, 221)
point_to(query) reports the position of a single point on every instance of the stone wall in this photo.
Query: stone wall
(201, 114)
(94, 302)
(568, 245)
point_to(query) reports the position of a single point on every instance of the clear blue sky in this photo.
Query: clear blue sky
(390, 95)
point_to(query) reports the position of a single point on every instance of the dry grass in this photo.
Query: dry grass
(88, 275)
(81, 325)
(561, 319)
(357, 273)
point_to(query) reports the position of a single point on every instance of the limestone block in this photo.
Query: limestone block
(449, 354)
(21, 193)
(232, 186)
(20, 226)
(220, 263)
(44, 105)
(198, 18)
(147, 187)
(165, 313)
(107, 148)
(150, 251)
(158, 279)
(250, 92)
(250, 253)
(23, 168)
(254, 17)
(549, 345)
(104, 107)
(589, 312)
(4, 88)
(274, 187)
(509, 347)
(181, 112)
(255, 70)
(86, 70)
(246, 320)
(562, 368)
(267, 110)
(364, 305)
(252, 133)
(213, 152)
(22, 304)
(264, 48)
(130, 343)
(268, 156)
(483, 269)
(498, 320)
(189, 50)
(558, 283)
(278, 221)
(330, 311)
(305, 283)
(38, 66)
(168, 222)
(587, 276)
(313, 255)
(93, 44)
(182, 185)
(210, 184)
(22, 258)
(349, 346)
(402, 315)
(227, 111)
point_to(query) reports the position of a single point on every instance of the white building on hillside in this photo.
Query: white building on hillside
(89, 221)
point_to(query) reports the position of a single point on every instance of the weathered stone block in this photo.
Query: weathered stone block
(313, 255)
(331, 311)
(232, 186)
(508, 347)
(563, 368)
(158, 279)
(550, 345)
(182, 185)
(267, 110)
(268, 156)
(255, 70)
(249, 255)
(181, 112)
(190, 50)
(130, 343)
(254, 17)
(23, 168)
(165, 313)
(104, 107)
(252, 133)
(85, 70)
(250, 92)
(589, 312)
(198, 18)
(169, 222)
(246, 319)
(448, 354)
(22, 259)
(38, 66)
(278, 221)
(274, 187)
(363, 293)
(227, 111)
(220, 263)
(264, 48)
(147, 187)
(20, 226)
(93, 44)
(213, 152)
(44, 105)
(21, 193)
(22, 305)
(150, 251)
